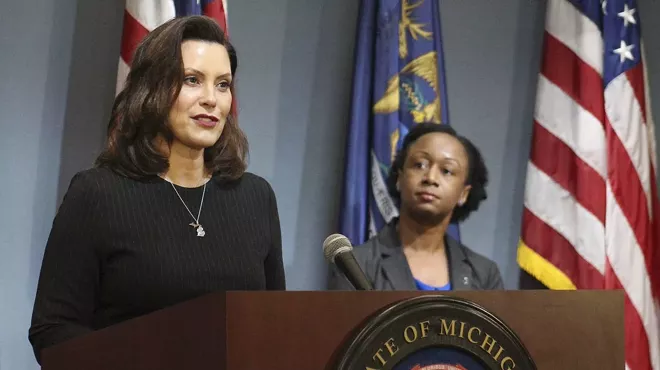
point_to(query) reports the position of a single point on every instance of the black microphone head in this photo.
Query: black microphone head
(335, 244)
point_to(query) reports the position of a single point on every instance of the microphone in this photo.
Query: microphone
(337, 249)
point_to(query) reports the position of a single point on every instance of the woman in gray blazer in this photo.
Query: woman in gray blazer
(437, 177)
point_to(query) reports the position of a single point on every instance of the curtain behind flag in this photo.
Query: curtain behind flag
(142, 16)
(592, 217)
(398, 82)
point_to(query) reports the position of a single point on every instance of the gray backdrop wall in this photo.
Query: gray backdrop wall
(58, 66)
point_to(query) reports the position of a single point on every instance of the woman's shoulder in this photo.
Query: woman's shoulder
(248, 183)
(367, 250)
(253, 180)
(485, 268)
(103, 184)
(100, 180)
(95, 174)
(87, 187)
(477, 258)
(380, 245)
(373, 249)
(91, 180)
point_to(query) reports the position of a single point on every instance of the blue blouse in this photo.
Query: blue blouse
(422, 286)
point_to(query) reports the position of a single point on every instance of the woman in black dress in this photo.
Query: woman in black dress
(168, 212)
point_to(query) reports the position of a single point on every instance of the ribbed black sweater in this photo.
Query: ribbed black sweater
(121, 248)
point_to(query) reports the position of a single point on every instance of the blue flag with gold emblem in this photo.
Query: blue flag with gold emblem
(398, 82)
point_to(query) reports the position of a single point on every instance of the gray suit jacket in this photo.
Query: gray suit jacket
(385, 265)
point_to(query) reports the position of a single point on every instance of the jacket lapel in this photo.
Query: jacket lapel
(394, 263)
(460, 273)
(397, 272)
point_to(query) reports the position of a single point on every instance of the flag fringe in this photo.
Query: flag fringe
(542, 269)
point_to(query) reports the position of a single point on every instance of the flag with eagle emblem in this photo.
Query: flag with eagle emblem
(398, 82)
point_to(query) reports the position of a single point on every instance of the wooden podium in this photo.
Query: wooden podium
(309, 330)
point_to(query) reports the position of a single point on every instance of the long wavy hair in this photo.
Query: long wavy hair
(140, 111)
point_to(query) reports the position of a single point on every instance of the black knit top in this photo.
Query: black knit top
(121, 248)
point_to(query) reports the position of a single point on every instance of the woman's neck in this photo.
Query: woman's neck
(186, 166)
(422, 238)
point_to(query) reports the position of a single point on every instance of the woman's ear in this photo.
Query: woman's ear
(464, 195)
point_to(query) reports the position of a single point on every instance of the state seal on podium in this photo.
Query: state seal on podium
(434, 332)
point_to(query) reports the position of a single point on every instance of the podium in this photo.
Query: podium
(321, 330)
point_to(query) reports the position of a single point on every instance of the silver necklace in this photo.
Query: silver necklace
(196, 224)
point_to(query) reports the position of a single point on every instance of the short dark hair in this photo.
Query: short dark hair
(477, 175)
(141, 109)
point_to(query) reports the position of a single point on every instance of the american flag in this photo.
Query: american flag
(142, 16)
(592, 216)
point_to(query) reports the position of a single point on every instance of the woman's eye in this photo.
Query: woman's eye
(191, 80)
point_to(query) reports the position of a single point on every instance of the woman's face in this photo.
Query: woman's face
(432, 181)
(200, 112)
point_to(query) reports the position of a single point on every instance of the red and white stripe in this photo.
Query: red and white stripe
(591, 202)
(140, 18)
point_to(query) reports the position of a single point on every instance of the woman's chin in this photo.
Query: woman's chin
(202, 141)
(204, 144)
(426, 214)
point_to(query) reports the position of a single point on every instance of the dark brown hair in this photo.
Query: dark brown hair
(140, 111)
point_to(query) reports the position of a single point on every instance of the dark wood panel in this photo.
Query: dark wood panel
(561, 329)
(304, 330)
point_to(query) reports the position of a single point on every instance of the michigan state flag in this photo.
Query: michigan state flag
(398, 82)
